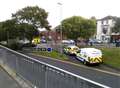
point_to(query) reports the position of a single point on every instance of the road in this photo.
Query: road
(100, 67)
(6, 81)
(97, 75)
(106, 78)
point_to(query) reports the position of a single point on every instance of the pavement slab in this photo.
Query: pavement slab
(6, 81)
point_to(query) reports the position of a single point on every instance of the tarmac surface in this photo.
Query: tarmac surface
(108, 79)
(6, 81)
(101, 74)
(97, 76)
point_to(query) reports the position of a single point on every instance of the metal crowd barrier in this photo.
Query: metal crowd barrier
(43, 75)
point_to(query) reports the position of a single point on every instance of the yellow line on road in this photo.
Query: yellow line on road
(108, 72)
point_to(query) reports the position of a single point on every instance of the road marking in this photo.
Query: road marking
(28, 61)
(108, 72)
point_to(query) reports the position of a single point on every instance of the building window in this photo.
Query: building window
(104, 30)
(102, 22)
(103, 38)
(113, 21)
(106, 21)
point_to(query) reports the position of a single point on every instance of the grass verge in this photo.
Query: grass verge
(111, 56)
(53, 54)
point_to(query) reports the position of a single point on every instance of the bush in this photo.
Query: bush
(28, 45)
(15, 46)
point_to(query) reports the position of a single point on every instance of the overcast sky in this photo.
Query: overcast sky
(84, 8)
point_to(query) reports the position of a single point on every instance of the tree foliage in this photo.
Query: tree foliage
(27, 31)
(77, 26)
(32, 15)
(3, 35)
(9, 28)
(116, 28)
(24, 23)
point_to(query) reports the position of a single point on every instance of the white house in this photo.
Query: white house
(104, 27)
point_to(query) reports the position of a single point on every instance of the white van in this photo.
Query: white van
(89, 55)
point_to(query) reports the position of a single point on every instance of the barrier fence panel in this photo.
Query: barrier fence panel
(43, 75)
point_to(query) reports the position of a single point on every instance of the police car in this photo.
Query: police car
(90, 55)
(71, 49)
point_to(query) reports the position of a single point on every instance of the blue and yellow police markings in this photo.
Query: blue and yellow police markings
(36, 40)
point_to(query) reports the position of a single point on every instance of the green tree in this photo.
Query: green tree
(34, 16)
(27, 31)
(116, 28)
(3, 34)
(57, 28)
(9, 29)
(77, 26)
(29, 19)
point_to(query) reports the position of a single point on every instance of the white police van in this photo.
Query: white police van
(89, 55)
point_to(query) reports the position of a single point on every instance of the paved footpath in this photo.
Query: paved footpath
(6, 81)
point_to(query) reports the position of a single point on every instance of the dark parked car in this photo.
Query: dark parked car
(94, 41)
(118, 43)
(43, 41)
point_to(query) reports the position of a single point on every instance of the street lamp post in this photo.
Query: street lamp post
(60, 4)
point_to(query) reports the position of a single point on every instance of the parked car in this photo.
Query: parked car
(68, 42)
(90, 55)
(43, 41)
(25, 41)
(71, 49)
(94, 41)
(117, 43)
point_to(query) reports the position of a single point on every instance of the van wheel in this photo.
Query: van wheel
(84, 62)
